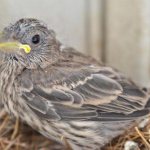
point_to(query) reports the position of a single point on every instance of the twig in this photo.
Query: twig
(4, 123)
(23, 145)
(2, 145)
(142, 137)
(10, 145)
(15, 129)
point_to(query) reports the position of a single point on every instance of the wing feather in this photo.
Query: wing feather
(88, 93)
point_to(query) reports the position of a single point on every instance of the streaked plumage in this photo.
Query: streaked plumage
(60, 92)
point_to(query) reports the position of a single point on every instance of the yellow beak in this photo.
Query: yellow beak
(14, 46)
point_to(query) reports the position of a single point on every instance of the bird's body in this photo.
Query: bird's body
(62, 93)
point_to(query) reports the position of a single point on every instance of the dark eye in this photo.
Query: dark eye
(36, 39)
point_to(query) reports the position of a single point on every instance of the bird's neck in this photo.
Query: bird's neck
(8, 73)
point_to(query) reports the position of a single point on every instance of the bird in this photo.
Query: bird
(62, 93)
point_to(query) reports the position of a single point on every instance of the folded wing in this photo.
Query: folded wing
(87, 93)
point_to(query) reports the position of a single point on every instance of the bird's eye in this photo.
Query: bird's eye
(36, 39)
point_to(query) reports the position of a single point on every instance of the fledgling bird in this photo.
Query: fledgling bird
(63, 93)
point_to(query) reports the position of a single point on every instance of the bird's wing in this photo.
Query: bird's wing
(88, 93)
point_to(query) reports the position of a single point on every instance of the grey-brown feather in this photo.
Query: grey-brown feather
(64, 93)
(96, 92)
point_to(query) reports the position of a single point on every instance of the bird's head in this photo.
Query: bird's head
(29, 41)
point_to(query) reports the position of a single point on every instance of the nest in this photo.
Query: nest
(140, 136)
(15, 135)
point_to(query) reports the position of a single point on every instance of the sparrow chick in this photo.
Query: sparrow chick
(63, 94)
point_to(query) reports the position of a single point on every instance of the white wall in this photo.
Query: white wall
(128, 38)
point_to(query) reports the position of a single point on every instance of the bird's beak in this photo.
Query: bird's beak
(13, 47)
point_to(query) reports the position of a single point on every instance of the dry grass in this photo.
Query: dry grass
(140, 136)
(14, 135)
